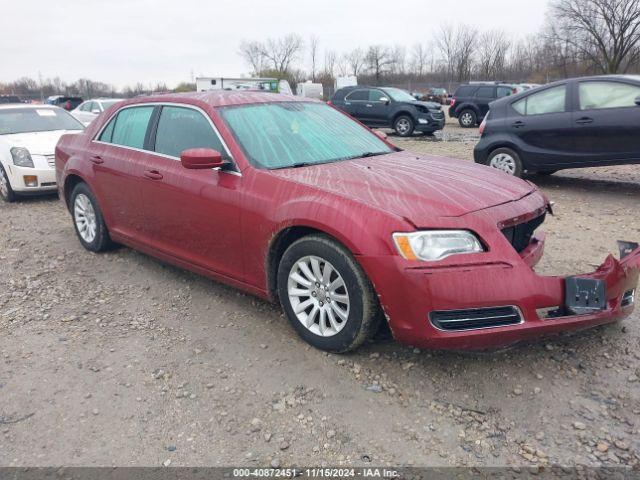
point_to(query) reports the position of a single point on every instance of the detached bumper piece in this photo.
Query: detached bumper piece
(475, 319)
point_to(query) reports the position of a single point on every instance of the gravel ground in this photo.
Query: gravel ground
(119, 359)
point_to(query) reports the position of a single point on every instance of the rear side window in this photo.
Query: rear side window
(599, 95)
(358, 95)
(464, 91)
(552, 100)
(129, 127)
(486, 92)
(504, 91)
(181, 128)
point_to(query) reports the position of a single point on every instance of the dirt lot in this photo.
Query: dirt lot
(118, 359)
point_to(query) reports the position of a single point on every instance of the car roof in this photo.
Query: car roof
(7, 106)
(220, 98)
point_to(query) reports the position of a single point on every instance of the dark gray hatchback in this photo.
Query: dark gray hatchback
(582, 122)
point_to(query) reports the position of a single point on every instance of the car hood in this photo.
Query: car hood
(429, 105)
(414, 187)
(38, 143)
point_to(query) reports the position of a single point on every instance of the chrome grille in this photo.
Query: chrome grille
(51, 160)
(628, 298)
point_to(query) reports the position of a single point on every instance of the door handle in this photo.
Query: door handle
(97, 159)
(153, 174)
(584, 121)
(368, 105)
(518, 124)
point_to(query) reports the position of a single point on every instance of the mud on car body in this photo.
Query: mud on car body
(292, 200)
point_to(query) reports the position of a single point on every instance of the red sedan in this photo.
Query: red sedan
(292, 200)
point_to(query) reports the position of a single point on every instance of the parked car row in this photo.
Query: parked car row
(292, 200)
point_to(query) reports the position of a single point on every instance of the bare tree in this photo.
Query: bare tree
(379, 60)
(330, 63)
(492, 55)
(313, 53)
(252, 53)
(343, 66)
(457, 46)
(281, 52)
(605, 32)
(356, 61)
(419, 59)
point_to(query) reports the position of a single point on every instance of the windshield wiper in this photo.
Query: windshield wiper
(366, 155)
(297, 165)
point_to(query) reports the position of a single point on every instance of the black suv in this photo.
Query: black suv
(582, 122)
(470, 103)
(389, 107)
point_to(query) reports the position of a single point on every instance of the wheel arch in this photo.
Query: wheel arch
(401, 113)
(70, 182)
(282, 239)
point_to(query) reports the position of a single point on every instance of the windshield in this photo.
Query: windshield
(287, 134)
(399, 95)
(22, 120)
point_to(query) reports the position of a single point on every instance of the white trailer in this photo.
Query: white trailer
(310, 90)
(204, 84)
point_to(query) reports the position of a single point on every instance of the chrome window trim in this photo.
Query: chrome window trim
(236, 170)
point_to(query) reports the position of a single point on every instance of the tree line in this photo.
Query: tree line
(579, 37)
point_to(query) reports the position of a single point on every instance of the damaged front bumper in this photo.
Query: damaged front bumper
(485, 304)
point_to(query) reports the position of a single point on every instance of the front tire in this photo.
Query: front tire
(88, 220)
(468, 119)
(6, 192)
(404, 126)
(326, 296)
(507, 161)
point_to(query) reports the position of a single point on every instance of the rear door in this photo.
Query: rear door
(118, 156)
(607, 121)
(192, 215)
(484, 96)
(542, 123)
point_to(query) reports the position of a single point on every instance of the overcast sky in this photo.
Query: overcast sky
(128, 41)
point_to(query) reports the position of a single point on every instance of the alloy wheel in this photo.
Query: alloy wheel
(85, 217)
(4, 185)
(504, 162)
(467, 119)
(403, 126)
(318, 296)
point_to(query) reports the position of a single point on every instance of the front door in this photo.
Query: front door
(607, 121)
(376, 112)
(192, 215)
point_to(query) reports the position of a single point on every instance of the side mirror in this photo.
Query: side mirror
(638, 101)
(384, 100)
(380, 134)
(96, 111)
(201, 158)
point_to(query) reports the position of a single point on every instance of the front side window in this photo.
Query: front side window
(45, 119)
(286, 134)
(598, 95)
(552, 100)
(85, 107)
(376, 95)
(358, 96)
(182, 128)
(129, 127)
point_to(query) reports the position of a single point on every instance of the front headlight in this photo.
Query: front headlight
(432, 245)
(21, 157)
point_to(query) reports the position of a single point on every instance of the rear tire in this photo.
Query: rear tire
(88, 220)
(6, 192)
(404, 126)
(507, 161)
(326, 296)
(467, 119)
